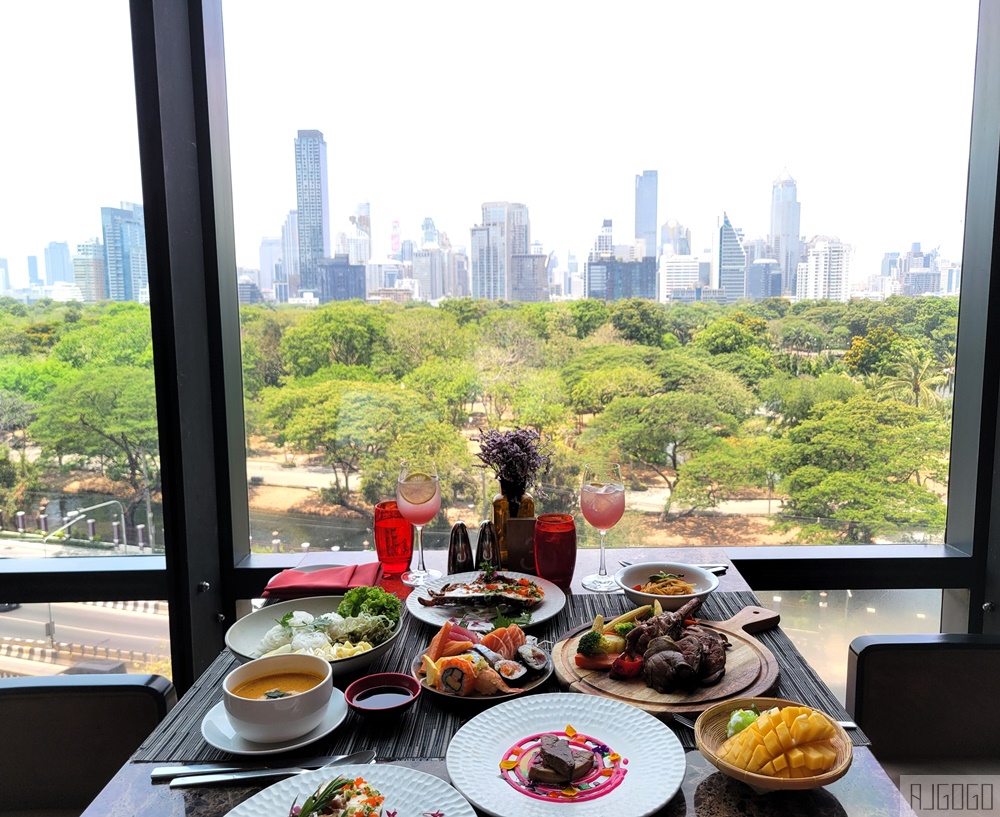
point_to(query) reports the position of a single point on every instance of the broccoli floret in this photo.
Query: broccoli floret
(371, 600)
(624, 628)
(589, 643)
(595, 643)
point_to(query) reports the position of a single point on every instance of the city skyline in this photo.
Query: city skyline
(878, 143)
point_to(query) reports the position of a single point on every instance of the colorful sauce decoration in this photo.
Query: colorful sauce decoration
(606, 775)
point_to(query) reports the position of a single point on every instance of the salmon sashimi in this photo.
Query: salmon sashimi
(493, 641)
(489, 682)
(457, 675)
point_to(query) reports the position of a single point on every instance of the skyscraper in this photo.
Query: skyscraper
(505, 231)
(58, 267)
(125, 252)
(675, 238)
(645, 211)
(529, 277)
(34, 279)
(603, 245)
(89, 271)
(430, 231)
(313, 205)
(270, 253)
(287, 279)
(786, 244)
(825, 272)
(732, 261)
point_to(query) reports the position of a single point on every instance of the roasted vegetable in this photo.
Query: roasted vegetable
(632, 615)
(624, 628)
(626, 666)
(791, 742)
(596, 643)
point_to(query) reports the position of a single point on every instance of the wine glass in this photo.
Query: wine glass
(418, 497)
(602, 500)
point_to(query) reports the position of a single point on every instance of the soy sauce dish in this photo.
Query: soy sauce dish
(382, 692)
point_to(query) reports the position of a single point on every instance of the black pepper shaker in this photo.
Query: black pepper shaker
(460, 550)
(488, 546)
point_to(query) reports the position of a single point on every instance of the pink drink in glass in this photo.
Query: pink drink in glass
(418, 513)
(603, 505)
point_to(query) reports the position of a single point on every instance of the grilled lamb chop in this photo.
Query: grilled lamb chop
(666, 670)
(665, 624)
(713, 653)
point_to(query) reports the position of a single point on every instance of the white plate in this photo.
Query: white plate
(654, 768)
(552, 602)
(218, 732)
(245, 635)
(407, 792)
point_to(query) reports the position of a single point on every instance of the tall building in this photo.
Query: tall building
(456, 275)
(645, 211)
(604, 244)
(271, 251)
(785, 240)
(731, 261)
(34, 279)
(677, 272)
(529, 277)
(826, 270)
(428, 272)
(4, 277)
(287, 280)
(89, 272)
(313, 205)
(764, 279)
(430, 231)
(395, 240)
(611, 279)
(675, 239)
(359, 245)
(125, 252)
(58, 267)
(505, 231)
(339, 280)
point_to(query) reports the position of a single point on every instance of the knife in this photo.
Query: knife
(209, 774)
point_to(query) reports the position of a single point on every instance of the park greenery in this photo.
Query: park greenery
(838, 412)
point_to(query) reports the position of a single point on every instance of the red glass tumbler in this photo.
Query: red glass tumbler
(393, 538)
(555, 548)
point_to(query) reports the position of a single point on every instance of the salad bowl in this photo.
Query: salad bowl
(245, 636)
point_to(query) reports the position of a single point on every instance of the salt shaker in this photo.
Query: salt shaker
(460, 550)
(488, 546)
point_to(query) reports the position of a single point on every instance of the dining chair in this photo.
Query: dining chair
(927, 701)
(62, 738)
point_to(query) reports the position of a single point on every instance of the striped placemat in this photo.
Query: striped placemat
(425, 729)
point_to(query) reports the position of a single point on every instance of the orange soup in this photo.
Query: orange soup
(277, 685)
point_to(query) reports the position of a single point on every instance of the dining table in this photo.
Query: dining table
(418, 738)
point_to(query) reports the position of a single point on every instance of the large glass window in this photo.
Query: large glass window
(727, 255)
(79, 455)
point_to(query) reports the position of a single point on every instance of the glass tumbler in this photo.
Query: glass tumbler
(555, 548)
(393, 538)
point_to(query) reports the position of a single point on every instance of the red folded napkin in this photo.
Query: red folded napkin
(296, 584)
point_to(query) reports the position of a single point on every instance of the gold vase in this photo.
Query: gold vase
(523, 506)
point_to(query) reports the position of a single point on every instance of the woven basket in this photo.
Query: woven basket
(710, 733)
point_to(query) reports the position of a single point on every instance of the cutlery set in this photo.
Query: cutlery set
(207, 774)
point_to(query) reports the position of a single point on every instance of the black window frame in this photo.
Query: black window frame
(179, 64)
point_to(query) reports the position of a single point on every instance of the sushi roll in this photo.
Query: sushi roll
(513, 672)
(491, 657)
(534, 658)
(457, 675)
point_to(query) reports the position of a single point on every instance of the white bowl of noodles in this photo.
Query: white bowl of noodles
(311, 626)
(649, 582)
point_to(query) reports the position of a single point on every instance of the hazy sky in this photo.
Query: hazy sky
(430, 109)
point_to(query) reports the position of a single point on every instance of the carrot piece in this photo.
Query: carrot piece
(436, 648)
(455, 648)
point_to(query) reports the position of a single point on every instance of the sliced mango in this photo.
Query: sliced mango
(793, 742)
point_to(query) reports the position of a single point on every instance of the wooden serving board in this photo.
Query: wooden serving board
(751, 669)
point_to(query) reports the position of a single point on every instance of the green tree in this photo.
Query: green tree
(350, 332)
(734, 333)
(875, 352)
(450, 385)
(639, 321)
(419, 334)
(116, 336)
(588, 314)
(260, 335)
(790, 399)
(735, 466)
(597, 388)
(661, 431)
(106, 413)
(916, 377)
